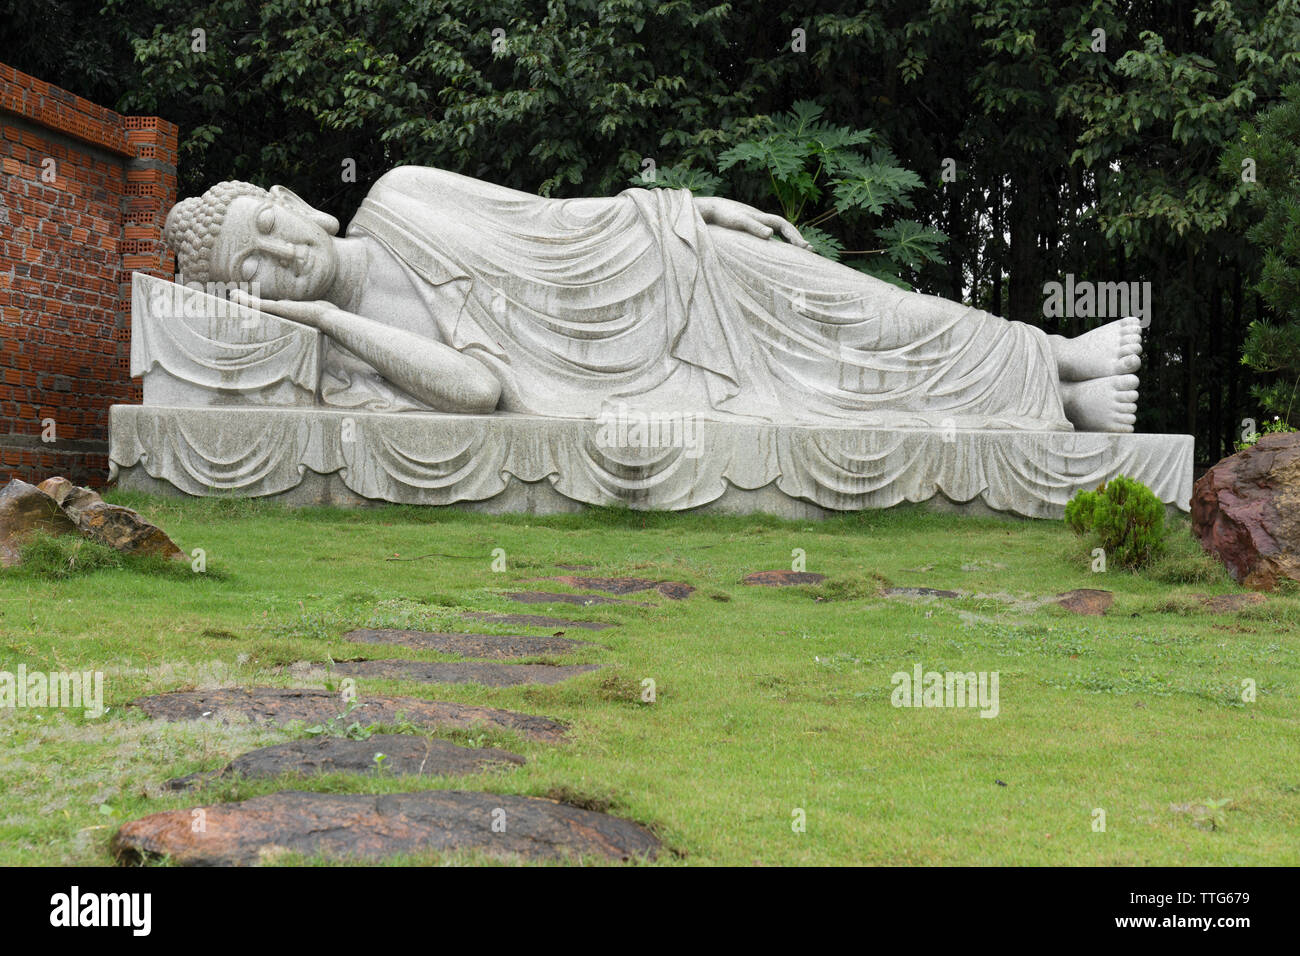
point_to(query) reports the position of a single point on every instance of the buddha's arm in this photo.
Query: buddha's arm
(436, 374)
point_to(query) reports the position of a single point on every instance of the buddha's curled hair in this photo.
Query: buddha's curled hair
(194, 223)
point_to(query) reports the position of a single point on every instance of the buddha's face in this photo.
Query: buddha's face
(284, 249)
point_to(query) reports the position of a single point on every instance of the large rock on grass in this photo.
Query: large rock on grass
(25, 511)
(1246, 510)
(57, 506)
(116, 526)
(369, 827)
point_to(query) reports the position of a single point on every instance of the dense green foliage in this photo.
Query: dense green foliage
(815, 172)
(1124, 517)
(1075, 138)
(1268, 155)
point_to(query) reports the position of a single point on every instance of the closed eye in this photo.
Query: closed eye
(266, 219)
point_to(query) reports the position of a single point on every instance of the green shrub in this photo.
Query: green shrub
(1126, 519)
(1276, 426)
(1079, 511)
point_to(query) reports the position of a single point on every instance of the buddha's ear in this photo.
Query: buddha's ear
(287, 197)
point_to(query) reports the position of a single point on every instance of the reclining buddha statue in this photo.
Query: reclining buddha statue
(452, 294)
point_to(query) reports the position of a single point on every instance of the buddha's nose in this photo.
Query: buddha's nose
(284, 251)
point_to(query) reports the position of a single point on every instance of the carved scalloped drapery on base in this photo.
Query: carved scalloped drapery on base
(506, 462)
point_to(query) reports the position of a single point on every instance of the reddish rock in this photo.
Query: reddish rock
(1246, 511)
(25, 510)
(366, 826)
(782, 579)
(1086, 601)
(116, 526)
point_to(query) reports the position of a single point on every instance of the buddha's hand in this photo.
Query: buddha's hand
(307, 313)
(717, 211)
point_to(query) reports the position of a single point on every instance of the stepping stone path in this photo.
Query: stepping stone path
(369, 826)
(281, 706)
(555, 597)
(533, 620)
(439, 672)
(1086, 601)
(782, 579)
(404, 754)
(373, 826)
(673, 590)
(494, 646)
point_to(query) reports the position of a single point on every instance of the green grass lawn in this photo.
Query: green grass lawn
(768, 701)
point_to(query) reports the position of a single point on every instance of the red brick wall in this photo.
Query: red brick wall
(70, 236)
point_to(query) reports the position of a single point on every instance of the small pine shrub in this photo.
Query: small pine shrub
(1125, 517)
(1079, 511)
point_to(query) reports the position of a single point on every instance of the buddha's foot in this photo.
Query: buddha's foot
(1102, 404)
(1113, 349)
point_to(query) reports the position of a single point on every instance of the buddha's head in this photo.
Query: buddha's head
(240, 233)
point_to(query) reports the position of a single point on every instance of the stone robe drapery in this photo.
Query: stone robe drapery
(580, 305)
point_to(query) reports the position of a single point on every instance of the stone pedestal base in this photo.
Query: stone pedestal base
(512, 463)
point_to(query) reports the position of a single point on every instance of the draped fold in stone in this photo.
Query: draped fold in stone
(580, 304)
(437, 459)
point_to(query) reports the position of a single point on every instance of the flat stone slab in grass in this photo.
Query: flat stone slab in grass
(555, 597)
(404, 755)
(495, 646)
(442, 672)
(1086, 601)
(921, 592)
(1230, 603)
(533, 620)
(674, 590)
(373, 826)
(782, 579)
(281, 706)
